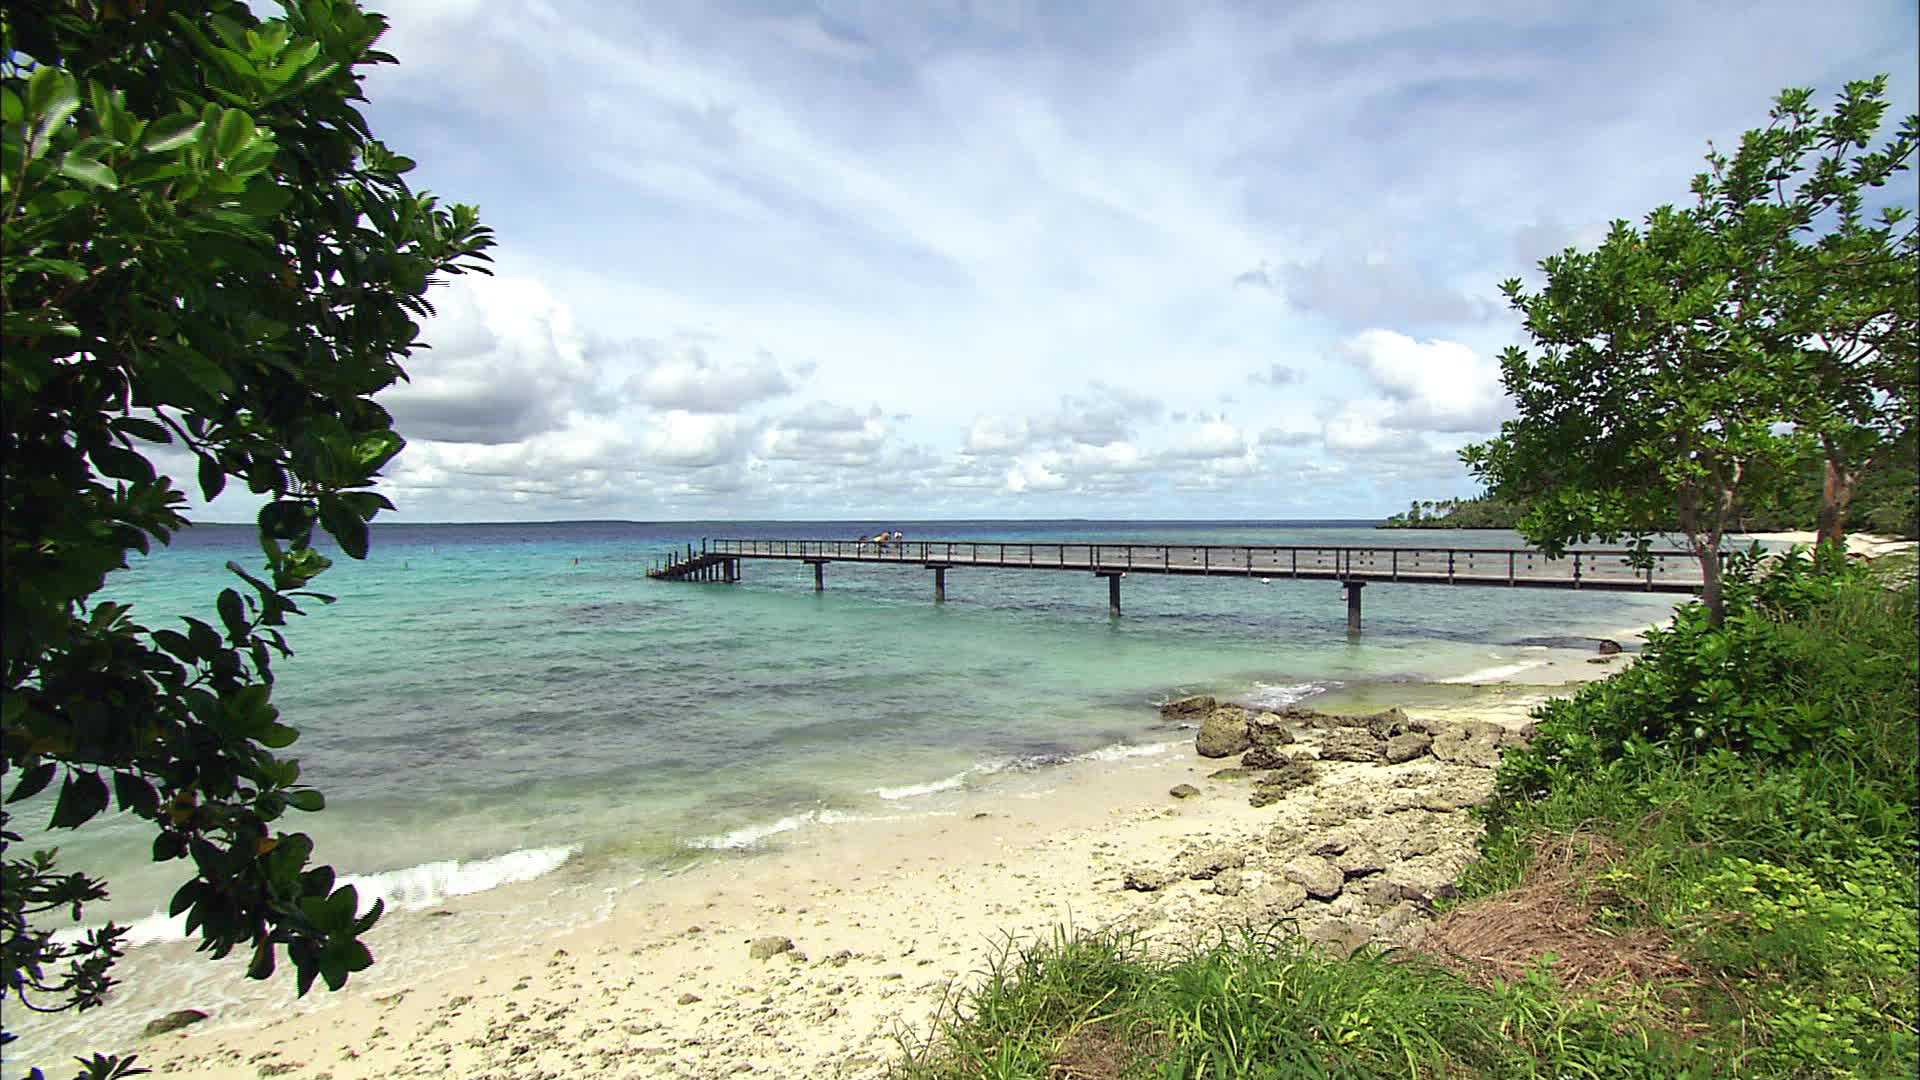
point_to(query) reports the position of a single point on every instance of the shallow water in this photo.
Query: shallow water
(491, 705)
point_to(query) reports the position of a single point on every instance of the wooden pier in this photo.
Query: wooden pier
(1352, 567)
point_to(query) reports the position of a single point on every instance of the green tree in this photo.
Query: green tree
(1672, 377)
(1840, 287)
(208, 260)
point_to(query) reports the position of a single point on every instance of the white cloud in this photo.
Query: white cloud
(679, 437)
(682, 375)
(1433, 385)
(505, 361)
(996, 435)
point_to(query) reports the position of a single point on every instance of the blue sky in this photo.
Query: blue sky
(1029, 260)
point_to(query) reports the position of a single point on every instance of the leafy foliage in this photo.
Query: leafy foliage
(1768, 684)
(1684, 366)
(209, 264)
(1764, 777)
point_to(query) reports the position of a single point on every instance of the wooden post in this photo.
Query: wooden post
(1353, 605)
(1113, 592)
(820, 576)
(939, 584)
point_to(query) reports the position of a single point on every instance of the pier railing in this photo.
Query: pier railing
(1596, 569)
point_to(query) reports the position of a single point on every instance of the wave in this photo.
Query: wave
(408, 889)
(749, 835)
(1275, 696)
(912, 791)
(1120, 751)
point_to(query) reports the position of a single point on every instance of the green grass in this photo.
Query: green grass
(1265, 1005)
(1749, 796)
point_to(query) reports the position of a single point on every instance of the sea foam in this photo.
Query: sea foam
(1275, 696)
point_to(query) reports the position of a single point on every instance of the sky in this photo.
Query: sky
(877, 260)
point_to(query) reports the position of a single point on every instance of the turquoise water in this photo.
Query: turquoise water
(485, 703)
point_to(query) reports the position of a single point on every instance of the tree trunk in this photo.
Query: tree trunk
(1716, 604)
(1836, 495)
(1706, 549)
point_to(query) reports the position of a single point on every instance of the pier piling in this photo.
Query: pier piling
(1113, 590)
(939, 584)
(1353, 588)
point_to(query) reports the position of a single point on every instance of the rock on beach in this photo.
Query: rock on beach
(1223, 733)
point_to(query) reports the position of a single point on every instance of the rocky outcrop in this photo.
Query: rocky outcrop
(1360, 858)
(1474, 743)
(767, 948)
(1276, 783)
(173, 1021)
(1227, 882)
(1188, 708)
(1223, 733)
(1350, 744)
(1183, 791)
(1406, 746)
(1266, 757)
(1144, 879)
(1609, 647)
(1208, 864)
(1321, 879)
(1269, 729)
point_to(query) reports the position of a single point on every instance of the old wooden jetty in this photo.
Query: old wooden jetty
(1352, 567)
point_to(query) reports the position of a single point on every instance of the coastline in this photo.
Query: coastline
(884, 916)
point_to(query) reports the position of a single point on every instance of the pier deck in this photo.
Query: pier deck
(1353, 567)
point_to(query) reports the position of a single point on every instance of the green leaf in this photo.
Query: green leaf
(89, 172)
(177, 645)
(135, 793)
(234, 614)
(212, 478)
(306, 799)
(373, 450)
(52, 98)
(345, 524)
(121, 463)
(170, 133)
(34, 782)
(264, 199)
(82, 795)
(261, 966)
(143, 429)
(286, 519)
(278, 736)
(235, 132)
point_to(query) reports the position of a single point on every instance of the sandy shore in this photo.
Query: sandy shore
(1857, 543)
(886, 919)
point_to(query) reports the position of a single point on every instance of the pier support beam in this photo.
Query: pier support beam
(819, 574)
(939, 584)
(1353, 605)
(1113, 590)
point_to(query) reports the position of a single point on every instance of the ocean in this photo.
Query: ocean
(518, 709)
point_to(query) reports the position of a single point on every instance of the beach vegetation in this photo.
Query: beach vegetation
(1702, 866)
(1681, 369)
(208, 266)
